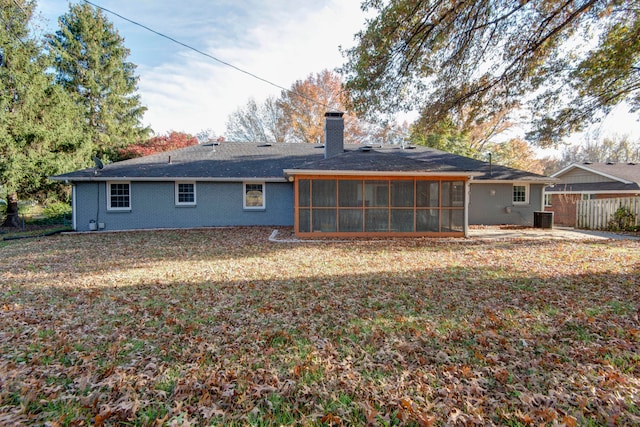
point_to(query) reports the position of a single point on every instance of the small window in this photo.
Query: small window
(547, 199)
(253, 197)
(588, 196)
(520, 194)
(185, 193)
(118, 196)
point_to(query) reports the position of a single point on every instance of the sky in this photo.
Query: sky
(280, 41)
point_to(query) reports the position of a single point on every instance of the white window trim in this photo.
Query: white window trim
(244, 196)
(109, 208)
(548, 197)
(526, 194)
(195, 194)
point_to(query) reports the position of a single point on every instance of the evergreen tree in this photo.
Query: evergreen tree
(40, 132)
(91, 64)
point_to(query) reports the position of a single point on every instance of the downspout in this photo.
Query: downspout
(74, 208)
(98, 203)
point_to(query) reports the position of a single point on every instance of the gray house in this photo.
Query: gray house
(588, 181)
(321, 190)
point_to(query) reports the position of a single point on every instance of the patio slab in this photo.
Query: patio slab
(556, 233)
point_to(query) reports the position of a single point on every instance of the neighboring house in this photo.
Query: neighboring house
(330, 190)
(582, 181)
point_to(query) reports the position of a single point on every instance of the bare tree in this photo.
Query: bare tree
(298, 114)
(260, 123)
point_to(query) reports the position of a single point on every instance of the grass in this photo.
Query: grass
(223, 327)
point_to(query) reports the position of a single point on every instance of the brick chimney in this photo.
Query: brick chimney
(333, 134)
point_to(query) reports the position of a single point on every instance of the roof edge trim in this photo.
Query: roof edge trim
(293, 172)
(588, 169)
(166, 179)
(544, 180)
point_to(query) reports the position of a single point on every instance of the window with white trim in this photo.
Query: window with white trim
(185, 193)
(547, 199)
(520, 194)
(119, 196)
(253, 196)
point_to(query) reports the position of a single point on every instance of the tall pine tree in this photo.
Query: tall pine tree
(91, 64)
(40, 126)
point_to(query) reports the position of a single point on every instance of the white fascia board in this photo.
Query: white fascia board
(169, 179)
(294, 172)
(568, 168)
(595, 192)
(545, 181)
(588, 169)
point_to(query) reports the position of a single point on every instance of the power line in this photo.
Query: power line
(208, 55)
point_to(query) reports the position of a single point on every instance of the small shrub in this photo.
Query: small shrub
(57, 211)
(623, 220)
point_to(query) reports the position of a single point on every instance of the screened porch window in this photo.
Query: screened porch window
(380, 206)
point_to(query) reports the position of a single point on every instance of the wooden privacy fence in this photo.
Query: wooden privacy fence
(595, 214)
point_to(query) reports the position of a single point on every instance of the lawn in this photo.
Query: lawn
(223, 327)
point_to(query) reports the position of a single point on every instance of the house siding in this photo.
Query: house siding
(220, 204)
(492, 204)
(153, 206)
(564, 206)
(581, 176)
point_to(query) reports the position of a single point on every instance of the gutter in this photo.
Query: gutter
(164, 179)
(290, 173)
(544, 181)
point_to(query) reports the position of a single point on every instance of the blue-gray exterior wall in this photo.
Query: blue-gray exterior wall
(220, 204)
(153, 206)
(492, 204)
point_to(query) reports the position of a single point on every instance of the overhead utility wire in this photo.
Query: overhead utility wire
(209, 56)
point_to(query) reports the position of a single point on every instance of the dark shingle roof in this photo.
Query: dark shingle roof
(490, 171)
(623, 171)
(242, 160)
(366, 159)
(208, 161)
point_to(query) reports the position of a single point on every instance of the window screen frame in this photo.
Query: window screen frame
(110, 206)
(178, 193)
(526, 194)
(244, 196)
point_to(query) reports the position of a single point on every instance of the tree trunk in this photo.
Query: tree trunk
(12, 220)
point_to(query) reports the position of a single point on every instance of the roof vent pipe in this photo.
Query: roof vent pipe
(333, 134)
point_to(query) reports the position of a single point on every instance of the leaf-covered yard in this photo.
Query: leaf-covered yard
(223, 327)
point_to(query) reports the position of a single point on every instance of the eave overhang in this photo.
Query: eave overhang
(543, 181)
(290, 173)
(165, 179)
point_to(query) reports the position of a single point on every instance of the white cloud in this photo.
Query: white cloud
(198, 93)
(280, 41)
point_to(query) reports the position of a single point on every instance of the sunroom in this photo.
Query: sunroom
(357, 204)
